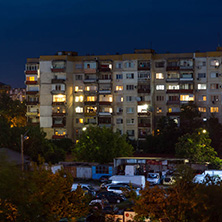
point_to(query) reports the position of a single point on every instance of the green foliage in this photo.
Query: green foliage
(65, 144)
(196, 147)
(101, 145)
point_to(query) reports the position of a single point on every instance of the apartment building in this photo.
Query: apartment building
(128, 92)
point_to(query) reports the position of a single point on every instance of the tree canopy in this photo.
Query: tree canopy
(101, 145)
(196, 147)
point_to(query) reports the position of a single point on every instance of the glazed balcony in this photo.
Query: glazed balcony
(89, 71)
(173, 68)
(186, 91)
(173, 79)
(58, 114)
(33, 113)
(105, 91)
(105, 120)
(59, 103)
(143, 65)
(58, 91)
(104, 68)
(90, 103)
(90, 113)
(104, 113)
(105, 80)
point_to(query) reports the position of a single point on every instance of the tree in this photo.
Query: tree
(196, 147)
(38, 195)
(190, 118)
(165, 137)
(101, 145)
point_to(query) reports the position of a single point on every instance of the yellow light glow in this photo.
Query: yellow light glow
(80, 120)
(119, 88)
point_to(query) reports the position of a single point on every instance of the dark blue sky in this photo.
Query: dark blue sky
(32, 28)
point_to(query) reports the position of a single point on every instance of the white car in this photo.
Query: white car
(169, 180)
(153, 178)
(86, 187)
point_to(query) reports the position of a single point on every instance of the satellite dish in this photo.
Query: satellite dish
(138, 99)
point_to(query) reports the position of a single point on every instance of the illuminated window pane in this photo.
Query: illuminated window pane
(79, 99)
(79, 109)
(30, 78)
(202, 109)
(186, 98)
(214, 109)
(59, 98)
(159, 76)
(119, 88)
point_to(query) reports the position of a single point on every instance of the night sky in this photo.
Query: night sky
(32, 28)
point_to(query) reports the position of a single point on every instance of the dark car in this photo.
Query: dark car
(104, 179)
(111, 196)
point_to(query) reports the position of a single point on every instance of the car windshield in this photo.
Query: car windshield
(153, 176)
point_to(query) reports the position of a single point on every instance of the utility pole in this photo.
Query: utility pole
(22, 151)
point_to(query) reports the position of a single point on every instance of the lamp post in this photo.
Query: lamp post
(23, 138)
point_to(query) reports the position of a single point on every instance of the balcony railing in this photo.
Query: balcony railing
(105, 103)
(31, 82)
(143, 90)
(90, 80)
(32, 102)
(172, 79)
(59, 103)
(144, 124)
(173, 91)
(61, 125)
(105, 114)
(58, 91)
(62, 69)
(32, 72)
(34, 113)
(144, 68)
(90, 70)
(186, 90)
(105, 80)
(58, 114)
(58, 81)
(105, 91)
(173, 113)
(58, 136)
(31, 92)
(172, 68)
(176, 102)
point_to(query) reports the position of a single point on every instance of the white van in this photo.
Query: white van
(136, 179)
(201, 178)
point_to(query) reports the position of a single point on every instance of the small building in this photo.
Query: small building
(145, 164)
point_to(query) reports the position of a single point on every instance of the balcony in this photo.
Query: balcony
(90, 113)
(58, 81)
(58, 91)
(105, 114)
(173, 91)
(59, 103)
(104, 68)
(105, 80)
(32, 103)
(172, 79)
(88, 80)
(143, 65)
(173, 113)
(186, 68)
(33, 113)
(105, 103)
(143, 90)
(58, 114)
(172, 68)
(186, 91)
(90, 103)
(144, 124)
(58, 136)
(58, 125)
(186, 79)
(32, 72)
(31, 92)
(31, 82)
(176, 102)
(105, 91)
(62, 69)
(105, 120)
(90, 71)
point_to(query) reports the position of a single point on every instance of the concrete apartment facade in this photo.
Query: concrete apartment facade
(129, 92)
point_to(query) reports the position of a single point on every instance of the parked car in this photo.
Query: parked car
(86, 187)
(104, 179)
(153, 178)
(116, 188)
(111, 196)
(169, 180)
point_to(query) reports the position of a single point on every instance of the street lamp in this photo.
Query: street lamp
(23, 138)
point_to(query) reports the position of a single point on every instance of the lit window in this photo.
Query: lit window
(119, 88)
(201, 86)
(186, 98)
(79, 109)
(91, 98)
(202, 98)
(159, 87)
(30, 78)
(215, 62)
(79, 99)
(59, 98)
(214, 109)
(174, 87)
(202, 109)
(158, 110)
(159, 76)
(142, 108)
(78, 89)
